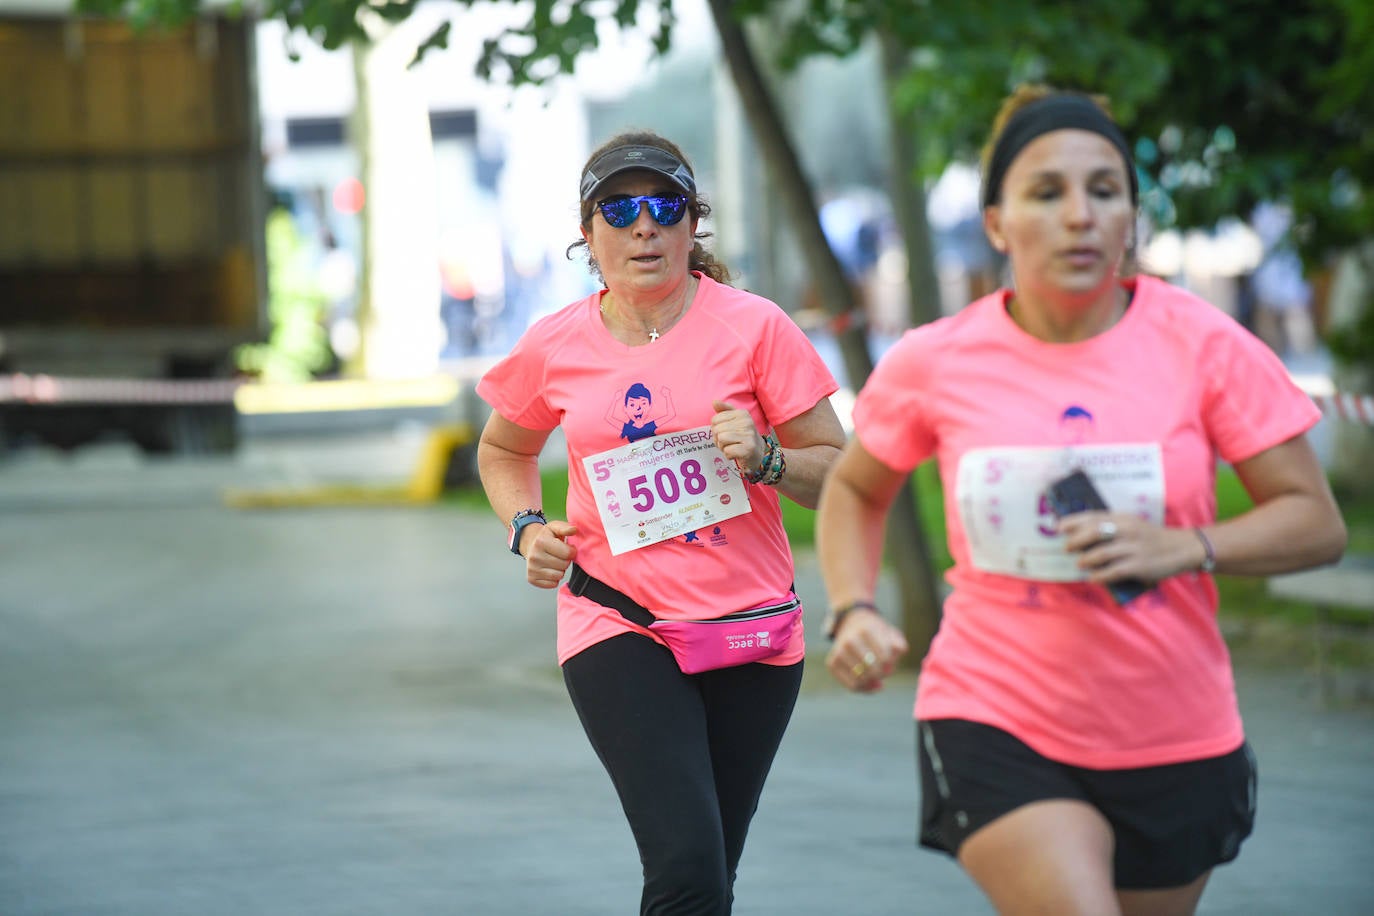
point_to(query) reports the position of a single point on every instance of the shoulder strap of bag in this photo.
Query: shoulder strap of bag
(584, 585)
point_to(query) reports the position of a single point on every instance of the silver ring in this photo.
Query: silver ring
(869, 659)
(1107, 530)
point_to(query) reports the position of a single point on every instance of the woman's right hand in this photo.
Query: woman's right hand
(866, 650)
(549, 554)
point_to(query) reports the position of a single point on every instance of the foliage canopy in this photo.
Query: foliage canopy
(1232, 103)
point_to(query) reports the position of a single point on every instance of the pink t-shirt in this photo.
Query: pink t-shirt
(567, 370)
(1059, 664)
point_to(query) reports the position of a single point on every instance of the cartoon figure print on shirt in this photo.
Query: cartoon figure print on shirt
(1076, 425)
(635, 413)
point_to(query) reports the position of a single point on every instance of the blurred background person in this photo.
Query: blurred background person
(1281, 295)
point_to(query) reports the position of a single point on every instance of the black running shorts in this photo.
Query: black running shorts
(1172, 823)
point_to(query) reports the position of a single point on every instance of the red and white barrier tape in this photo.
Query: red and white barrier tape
(1358, 408)
(47, 389)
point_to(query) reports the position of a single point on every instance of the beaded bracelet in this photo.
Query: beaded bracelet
(769, 443)
(777, 469)
(773, 466)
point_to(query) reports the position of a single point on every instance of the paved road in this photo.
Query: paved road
(350, 711)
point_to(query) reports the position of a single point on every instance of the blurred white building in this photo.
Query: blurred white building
(491, 209)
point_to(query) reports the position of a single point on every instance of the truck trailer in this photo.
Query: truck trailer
(132, 214)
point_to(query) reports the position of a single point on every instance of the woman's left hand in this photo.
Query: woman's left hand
(867, 649)
(733, 430)
(1116, 545)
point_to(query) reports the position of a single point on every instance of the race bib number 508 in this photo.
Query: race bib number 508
(659, 487)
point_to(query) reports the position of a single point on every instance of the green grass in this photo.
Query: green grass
(929, 494)
(554, 482)
(1357, 506)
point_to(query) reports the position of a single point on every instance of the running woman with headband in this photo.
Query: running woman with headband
(1081, 748)
(661, 381)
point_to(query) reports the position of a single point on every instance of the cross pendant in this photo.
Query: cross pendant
(653, 335)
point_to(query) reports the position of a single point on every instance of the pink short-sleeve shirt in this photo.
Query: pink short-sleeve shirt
(1059, 664)
(568, 371)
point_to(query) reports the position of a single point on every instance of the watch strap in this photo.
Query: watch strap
(837, 616)
(518, 523)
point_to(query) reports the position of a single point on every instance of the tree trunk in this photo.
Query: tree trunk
(1352, 441)
(909, 192)
(398, 282)
(906, 542)
(782, 161)
(360, 128)
(908, 196)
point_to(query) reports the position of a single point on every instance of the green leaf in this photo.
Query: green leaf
(438, 39)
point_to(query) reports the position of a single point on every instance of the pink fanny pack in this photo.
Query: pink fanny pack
(745, 636)
(736, 639)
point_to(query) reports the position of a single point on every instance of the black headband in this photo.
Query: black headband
(1063, 111)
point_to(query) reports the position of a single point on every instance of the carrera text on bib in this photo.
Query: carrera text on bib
(660, 487)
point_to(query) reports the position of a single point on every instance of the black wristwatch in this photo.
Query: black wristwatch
(517, 524)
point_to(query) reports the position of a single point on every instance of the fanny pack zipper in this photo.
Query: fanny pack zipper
(752, 613)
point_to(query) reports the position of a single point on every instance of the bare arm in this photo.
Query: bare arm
(1295, 522)
(508, 463)
(849, 543)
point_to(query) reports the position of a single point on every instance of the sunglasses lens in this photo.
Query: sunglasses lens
(667, 211)
(620, 211)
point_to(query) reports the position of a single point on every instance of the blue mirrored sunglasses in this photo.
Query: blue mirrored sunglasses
(622, 210)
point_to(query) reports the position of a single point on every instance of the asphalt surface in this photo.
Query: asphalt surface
(341, 711)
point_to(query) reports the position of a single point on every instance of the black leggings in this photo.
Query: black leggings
(688, 755)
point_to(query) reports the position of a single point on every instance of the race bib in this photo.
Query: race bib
(660, 487)
(1007, 518)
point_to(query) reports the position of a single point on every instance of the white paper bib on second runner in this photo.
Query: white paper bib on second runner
(1007, 518)
(663, 486)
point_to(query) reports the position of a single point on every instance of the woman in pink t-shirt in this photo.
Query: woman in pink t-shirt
(688, 408)
(1081, 747)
